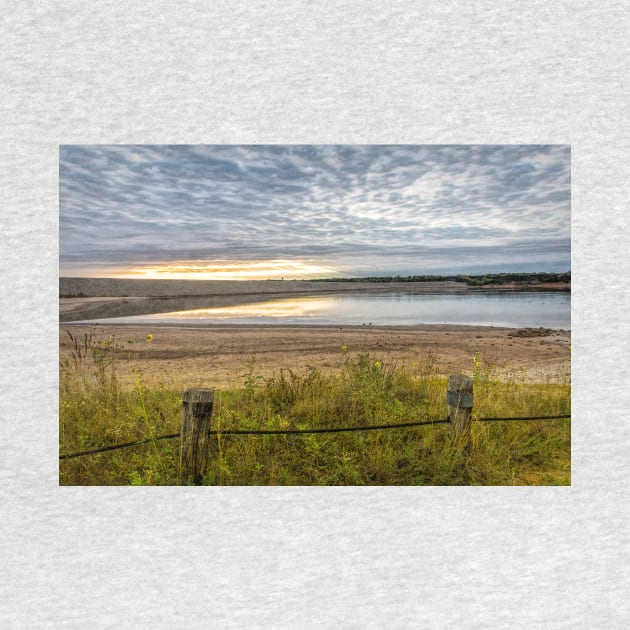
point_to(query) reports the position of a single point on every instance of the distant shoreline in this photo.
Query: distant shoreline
(104, 287)
(142, 287)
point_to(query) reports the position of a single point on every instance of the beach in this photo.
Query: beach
(187, 356)
(225, 355)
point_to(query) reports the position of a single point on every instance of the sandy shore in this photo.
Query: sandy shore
(218, 355)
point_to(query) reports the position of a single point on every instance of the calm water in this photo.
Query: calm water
(550, 310)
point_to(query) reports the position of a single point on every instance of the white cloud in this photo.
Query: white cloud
(134, 203)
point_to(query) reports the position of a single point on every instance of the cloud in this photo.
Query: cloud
(412, 207)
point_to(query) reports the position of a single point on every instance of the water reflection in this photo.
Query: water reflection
(551, 310)
(274, 309)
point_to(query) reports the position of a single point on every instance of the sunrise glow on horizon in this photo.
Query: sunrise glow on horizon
(222, 270)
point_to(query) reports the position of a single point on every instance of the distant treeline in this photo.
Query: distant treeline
(473, 281)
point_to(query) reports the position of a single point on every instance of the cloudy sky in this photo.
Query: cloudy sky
(294, 211)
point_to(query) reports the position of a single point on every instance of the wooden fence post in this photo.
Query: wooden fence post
(196, 414)
(459, 398)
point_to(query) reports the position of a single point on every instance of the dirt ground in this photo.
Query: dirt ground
(218, 356)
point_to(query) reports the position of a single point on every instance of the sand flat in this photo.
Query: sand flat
(218, 355)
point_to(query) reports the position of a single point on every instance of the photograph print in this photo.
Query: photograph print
(315, 315)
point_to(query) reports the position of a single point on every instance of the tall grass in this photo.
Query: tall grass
(96, 411)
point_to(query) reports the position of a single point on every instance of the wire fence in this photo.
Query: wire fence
(373, 427)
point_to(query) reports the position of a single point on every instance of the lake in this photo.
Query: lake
(510, 309)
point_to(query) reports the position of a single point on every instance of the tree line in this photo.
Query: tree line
(470, 280)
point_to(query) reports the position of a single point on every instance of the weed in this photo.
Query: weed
(96, 411)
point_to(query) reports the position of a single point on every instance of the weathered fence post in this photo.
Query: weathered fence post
(196, 414)
(460, 402)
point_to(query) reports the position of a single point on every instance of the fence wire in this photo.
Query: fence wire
(372, 427)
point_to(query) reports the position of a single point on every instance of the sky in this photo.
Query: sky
(312, 211)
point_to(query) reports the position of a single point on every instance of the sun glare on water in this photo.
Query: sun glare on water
(230, 270)
(294, 307)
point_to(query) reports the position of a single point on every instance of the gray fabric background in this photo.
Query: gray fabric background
(325, 72)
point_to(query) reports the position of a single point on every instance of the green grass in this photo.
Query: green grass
(95, 410)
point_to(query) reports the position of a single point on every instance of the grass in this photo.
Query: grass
(95, 410)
